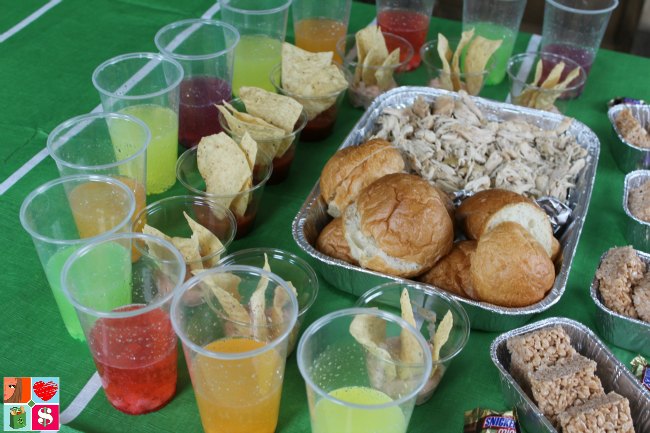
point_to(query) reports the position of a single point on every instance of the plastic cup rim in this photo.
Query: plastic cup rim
(68, 124)
(452, 303)
(239, 355)
(226, 5)
(584, 11)
(324, 320)
(192, 151)
(231, 259)
(302, 122)
(582, 77)
(163, 50)
(122, 314)
(196, 198)
(411, 51)
(139, 55)
(432, 43)
(65, 179)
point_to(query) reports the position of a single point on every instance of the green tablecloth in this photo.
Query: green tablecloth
(45, 74)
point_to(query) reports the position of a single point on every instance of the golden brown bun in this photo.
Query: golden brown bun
(452, 272)
(556, 249)
(398, 225)
(331, 241)
(351, 169)
(449, 204)
(510, 268)
(474, 211)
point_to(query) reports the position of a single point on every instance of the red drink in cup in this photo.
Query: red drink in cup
(411, 25)
(198, 113)
(136, 359)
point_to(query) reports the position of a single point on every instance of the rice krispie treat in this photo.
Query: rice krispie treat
(557, 388)
(620, 269)
(641, 298)
(605, 414)
(532, 351)
(631, 130)
(638, 201)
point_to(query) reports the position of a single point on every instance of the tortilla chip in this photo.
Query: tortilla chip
(368, 38)
(298, 65)
(190, 251)
(208, 242)
(384, 74)
(240, 123)
(223, 165)
(249, 147)
(440, 338)
(445, 56)
(478, 55)
(231, 306)
(546, 100)
(226, 281)
(279, 110)
(372, 61)
(155, 249)
(465, 37)
(410, 349)
(257, 306)
(370, 332)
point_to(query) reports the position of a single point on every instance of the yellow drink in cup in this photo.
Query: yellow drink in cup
(255, 56)
(319, 34)
(238, 397)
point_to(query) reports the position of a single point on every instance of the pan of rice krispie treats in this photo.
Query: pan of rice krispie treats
(562, 379)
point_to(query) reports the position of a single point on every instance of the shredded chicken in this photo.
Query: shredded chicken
(455, 147)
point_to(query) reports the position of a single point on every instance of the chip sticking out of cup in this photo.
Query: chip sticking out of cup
(542, 94)
(393, 359)
(311, 78)
(375, 65)
(469, 62)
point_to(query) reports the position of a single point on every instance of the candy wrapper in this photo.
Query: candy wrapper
(482, 420)
(641, 370)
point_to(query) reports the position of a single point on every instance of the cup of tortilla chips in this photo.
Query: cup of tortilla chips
(280, 144)
(199, 227)
(291, 268)
(244, 204)
(442, 321)
(544, 81)
(371, 68)
(459, 63)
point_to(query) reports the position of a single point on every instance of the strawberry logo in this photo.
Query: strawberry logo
(45, 390)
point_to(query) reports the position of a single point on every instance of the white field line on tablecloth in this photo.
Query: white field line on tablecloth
(27, 21)
(135, 79)
(533, 44)
(81, 400)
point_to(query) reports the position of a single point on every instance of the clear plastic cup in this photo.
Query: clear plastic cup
(146, 86)
(205, 50)
(429, 307)
(441, 79)
(320, 121)
(290, 268)
(575, 28)
(167, 215)
(108, 144)
(123, 307)
(236, 363)
(67, 213)
(408, 19)
(346, 383)
(495, 19)
(359, 94)
(188, 174)
(284, 148)
(319, 25)
(521, 71)
(262, 25)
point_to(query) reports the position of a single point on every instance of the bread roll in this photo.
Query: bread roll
(331, 241)
(351, 169)
(474, 211)
(452, 272)
(398, 225)
(510, 268)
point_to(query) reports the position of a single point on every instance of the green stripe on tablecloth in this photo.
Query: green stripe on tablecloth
(49, 81)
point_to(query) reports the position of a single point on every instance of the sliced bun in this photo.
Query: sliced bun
(474, 211)
(510, 268)
(351, 169)
(452, 272)
(528, 215)
(331, 241)
(398, 225)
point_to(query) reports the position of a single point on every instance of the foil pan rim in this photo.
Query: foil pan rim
(633, 175)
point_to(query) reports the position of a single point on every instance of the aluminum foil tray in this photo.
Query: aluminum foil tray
(637, 231)
(612, 373)
(312, 216)
(622, 331)
(629, 157)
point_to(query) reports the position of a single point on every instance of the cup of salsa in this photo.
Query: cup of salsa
(361, 94)
(187, 172)
(320, 123)
(286, 146)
